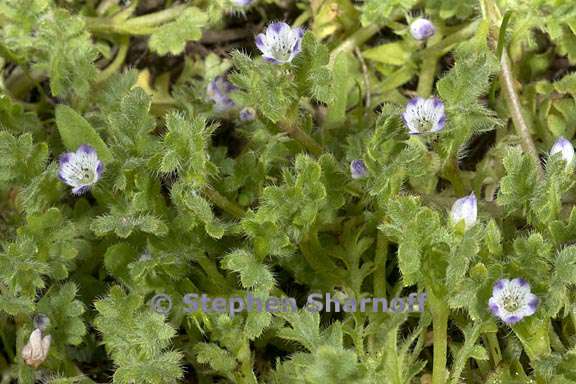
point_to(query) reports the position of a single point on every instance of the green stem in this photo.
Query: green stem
(428, 72)
(302, 137)
(515, 108)
(448, 42)
(246, 374)
(452, 173)
(491, 12)
(223, 203)
(355, 40)
(141, 25)
(318, 259)
(494, 347)
(212, 271)
(440, 313)
(156, 18)
(117, 62)
(380, 258)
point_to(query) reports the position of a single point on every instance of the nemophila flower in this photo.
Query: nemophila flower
(424, 115)
(358, 169)
(247, 114)
(565, 148)
(422, 29)
(280, 43)
(218, 90)
(80, 169)
(36, 350)
(465, 209)
(242, 3)
(512, 300)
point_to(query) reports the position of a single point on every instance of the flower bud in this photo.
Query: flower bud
(247, 114)
(422, 29)
(41, 322)
(35, 352)
(465, 209)
(565, 148)
(358, 169)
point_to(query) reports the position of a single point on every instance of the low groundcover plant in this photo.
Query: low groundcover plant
(281, 149)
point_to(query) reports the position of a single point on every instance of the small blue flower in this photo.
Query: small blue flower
(358, 169)
(80, 169)
(242, 3)
(218, 91)
(512, 300)
(465, 209)
(247, 114)
(565, 148)
(281, 43)
(422, 29)
(424, 115)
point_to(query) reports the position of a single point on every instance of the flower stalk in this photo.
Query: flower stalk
(440, 314)
(492, 14)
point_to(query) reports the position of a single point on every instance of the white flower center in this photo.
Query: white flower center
(87, 175)
(511, 302)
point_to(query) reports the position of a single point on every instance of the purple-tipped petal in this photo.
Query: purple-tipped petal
(520, 282)
(87, 149)
(297, 48)
(80, 190)
(494, 309)
(414, 100)
(271, 60)
(437, 103)
(533, 303)
(260, 42)
(65, 158)
(99, 169)
(441, 124)
(278, 27)
(512, 319)
(61, 176)
(498, 286)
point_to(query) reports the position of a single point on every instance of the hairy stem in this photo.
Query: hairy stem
(515, 108)
(141, 25)
(491, 12)
(428, 71)
(116, 64)
(381, 255)
(302, 137)
(222, 202)
(448, 42)
(440, 313)
(493, 347)
(355, 40)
